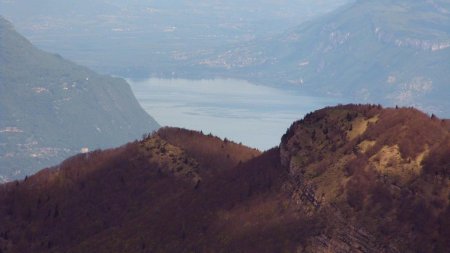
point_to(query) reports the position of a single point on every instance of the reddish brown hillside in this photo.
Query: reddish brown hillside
(383, 173)
(111, 193)
(211, 152)
(345, 179)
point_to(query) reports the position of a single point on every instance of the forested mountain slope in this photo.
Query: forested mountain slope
(344, 179)
(50, 108)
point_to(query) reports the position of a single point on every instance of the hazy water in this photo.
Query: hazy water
(244, 112)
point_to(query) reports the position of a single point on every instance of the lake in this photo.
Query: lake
(241, 111)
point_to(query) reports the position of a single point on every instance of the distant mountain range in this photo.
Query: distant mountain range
(139, 38)
(51, 108)
(344, 179)
(390, 52)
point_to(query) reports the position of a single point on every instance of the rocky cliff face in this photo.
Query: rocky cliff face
(358, 165)
(344, 179)
(414, 43)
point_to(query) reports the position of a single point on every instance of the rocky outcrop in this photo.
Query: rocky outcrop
(407, 42)
(321, 188)
(346, 186)
(349, 238)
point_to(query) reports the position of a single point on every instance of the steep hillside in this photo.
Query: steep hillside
(50, 108)
(381, 174)
(344, 179)
(378, 51)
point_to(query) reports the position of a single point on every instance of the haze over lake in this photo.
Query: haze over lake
(241, 111)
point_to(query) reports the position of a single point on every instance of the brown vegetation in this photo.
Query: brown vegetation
(334, 185)
(396, 189)
(210, 151)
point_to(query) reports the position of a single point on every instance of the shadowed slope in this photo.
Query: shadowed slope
(344, 179)
(143, 188)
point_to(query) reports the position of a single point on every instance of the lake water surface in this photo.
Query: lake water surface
(241, 111)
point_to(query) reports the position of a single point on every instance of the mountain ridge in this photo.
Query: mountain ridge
(139, 50)
(343, 179)
(388, 52)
